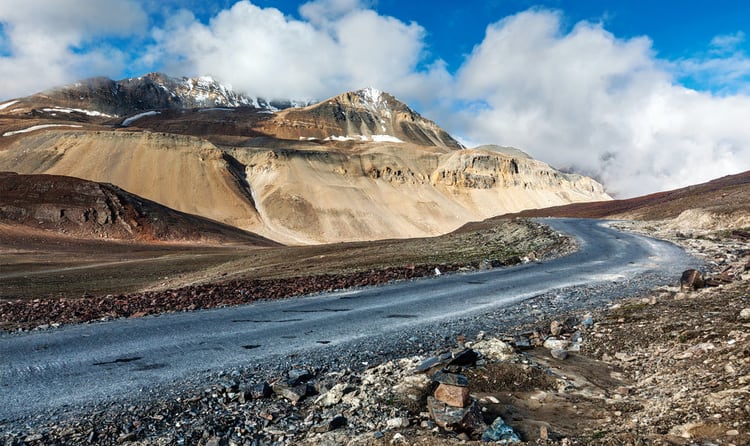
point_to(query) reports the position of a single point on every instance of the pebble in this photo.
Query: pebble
(397, 423)
(555, 328)
(559, 353)
(555, 344)
(500, 432)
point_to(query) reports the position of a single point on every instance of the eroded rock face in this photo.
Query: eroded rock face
(97, 210)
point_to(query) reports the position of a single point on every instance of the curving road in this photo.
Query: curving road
(80, 365)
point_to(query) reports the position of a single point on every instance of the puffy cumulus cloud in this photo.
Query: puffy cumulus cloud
(47, 42)
(586, 100)
(340, 46)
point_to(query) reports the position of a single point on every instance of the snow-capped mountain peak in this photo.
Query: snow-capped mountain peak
(153, 91)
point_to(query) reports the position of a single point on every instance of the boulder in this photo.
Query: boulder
(555, 328)
(588, 320)
(466, 356)
(496, 349)
(332, 396)
(293, 393)
(434, 361)
(501, 433)
(298, 376)
(454, 396)
(256, 391)
(692, 279)
(459, 419)
(556, 344)
(453, 379)
(397, 423)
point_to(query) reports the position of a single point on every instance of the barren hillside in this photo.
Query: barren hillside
(723, 203)
(359, 166)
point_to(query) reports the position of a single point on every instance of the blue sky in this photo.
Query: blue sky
(620, 89)
(678, 30)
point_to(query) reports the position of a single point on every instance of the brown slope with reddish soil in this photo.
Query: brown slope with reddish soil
(727, 194)
(89, 210)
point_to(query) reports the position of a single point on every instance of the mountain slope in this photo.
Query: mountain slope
(182, 172)
(85, 209)
(358, 166)
(717, 204)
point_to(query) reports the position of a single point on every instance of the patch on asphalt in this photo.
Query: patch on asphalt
(322, 310)
(120, 361)
(261, 321)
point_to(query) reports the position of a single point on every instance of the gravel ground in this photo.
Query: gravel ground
(643, 373)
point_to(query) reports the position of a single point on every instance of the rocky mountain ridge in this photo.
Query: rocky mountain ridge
(101, 96)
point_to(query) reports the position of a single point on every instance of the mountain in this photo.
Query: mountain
(358, 166)
(363, 115)
(85, 209)
(155, 91)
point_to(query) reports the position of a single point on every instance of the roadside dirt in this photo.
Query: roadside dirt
(73, 283)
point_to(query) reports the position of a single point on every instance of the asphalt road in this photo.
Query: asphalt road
(80, 365)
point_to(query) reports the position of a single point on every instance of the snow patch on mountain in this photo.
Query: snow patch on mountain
(385, 138)
(132, 119)
(205, 91)
(38, 127)
(77, 110)
(7, 104)
(373, 138)
(371, 95)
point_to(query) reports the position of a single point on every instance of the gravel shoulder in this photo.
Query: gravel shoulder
(179, 278)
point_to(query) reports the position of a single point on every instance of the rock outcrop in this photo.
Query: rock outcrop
(86, 209)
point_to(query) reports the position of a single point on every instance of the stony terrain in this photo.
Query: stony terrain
(670, 367)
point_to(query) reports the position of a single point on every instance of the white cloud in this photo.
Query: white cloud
(727, 42)
(263, 52)
(322, 12)
(602, 105)
(48, 42)
(724, 68)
